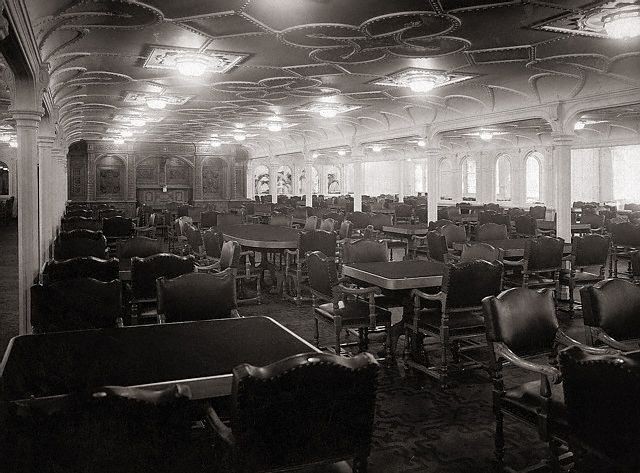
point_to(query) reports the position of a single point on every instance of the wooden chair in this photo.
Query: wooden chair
(80, 223)
(244, 267)
(525, 226)
(453, 234)
(455, 323)
(328, 225)
(213, 241)
(86, 213)
(538, 212)
(521, 323)
(197, 296)
(80, 243)
(491, 231)
(145, 271)
(309, 409)
(208, 219)
(439, 224)
(346, 307)
(225, 220)
(365, 251)
(480, 251)
(137, 246)
(625, 238)
(610, 309)
(117, 228)
(76, 304)
(596, 221)
(403, 213)
(311, 223)
(80, 267)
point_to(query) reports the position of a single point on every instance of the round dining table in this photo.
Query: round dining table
(267, 239)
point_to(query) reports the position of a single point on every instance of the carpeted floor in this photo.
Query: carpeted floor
(418, 427)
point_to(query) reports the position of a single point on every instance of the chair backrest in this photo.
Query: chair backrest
(525, 225)
(117, 226)
(213, 241)
(322, 274)
(381, 220)
(109, 213)
(590, 250)
(453, 211)
(194, 237)
(614, 306)
(625, 233)
(436, 246)
(601, 397)
(145, 271)
(280, 220)
(360, 220)
(328, 225)
(515, 212)
(523, 319)
(208, 219)
(365, 251)
(80, 267)
(477, 251)
(79, 213)
(301, 213)
(403, 211)
(486, 216)
(466, 284)
(491, 231)
(492, 206)
(593, 219)
(80, 243)
(229, 219)
(538, 212)
(138, 246)
(75, 304)
(317, 240)
(346, 229)
(311, 223)
(305, 409)
(439, 224)
(502, 219)
(230, 255)
(453, 234)
(543, 254)
(78, 223)
(197, 296)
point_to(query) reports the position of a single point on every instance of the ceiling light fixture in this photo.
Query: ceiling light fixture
(274, 126)
(376, 148)
(622, 24)
(157, 103)
(13, 143)
(422, 143)
(485, 135)
(342, 152)
(579, 125)
(239, 137)
(328, 112)
(215, 143)
(126, 133)
(5, 138)
(424, 84)
(192, 65)
(137, 121)
(118, 140)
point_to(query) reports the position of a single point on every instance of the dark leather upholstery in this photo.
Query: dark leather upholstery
(381, 220)
(365, 251)
(80, 243)
(614, 306)
(312, 222)
(230, 255)
(436, 246)
(439, 223)
(229, 219)
(525, 225)
(194, 237)
(309, 408)
(109, 213)
(403, 211)
(453, 234)
(81, 267)
(590, 250)
(213, 241)
(491, 231)
(117, 227)
(492, 206)
(79, 213)
(197, 296)
(78, 222)
(477, 251)
(346, 229)
(524, 400)
(522, 318)
(360, 220)
(145, 271)
(280, 220)
(317, 240)
(595, 220)
(322, 274)
(601, 393)
(538, 212)
(328, 225)
(486, 216)
(75, 304)
(138, 246)
(625, 234)
(466, 284)
(543, 253)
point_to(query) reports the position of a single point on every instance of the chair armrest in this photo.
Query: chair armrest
(566, 340)
(507, 262)
(430, 297)
(551, 373)
(205, 268)
(223, 432)
(613, 343)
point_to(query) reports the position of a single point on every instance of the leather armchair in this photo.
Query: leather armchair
(137, 246)
(453, 316)
(480, 251)
(80, 223)
(76, 304)
(525, 226)
(403, 213)
(282, 421)
(197, 296)
(625, 237)
(243, 266)
(80, 243)
(117, 228)
(611, 310)
(520, 324)
(346, 307)
(491, 231)
(80, 267)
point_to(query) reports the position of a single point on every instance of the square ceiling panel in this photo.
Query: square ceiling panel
(223, 25)
(162, 57)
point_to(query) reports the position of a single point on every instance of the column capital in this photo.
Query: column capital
(27, 118)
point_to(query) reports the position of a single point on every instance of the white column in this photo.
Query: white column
(562, 178)
(27, 122)
(432, 183)
(273, 179)
(605, 183)
(46, 202)
(402, 176)
(308, 179)
(60, 187)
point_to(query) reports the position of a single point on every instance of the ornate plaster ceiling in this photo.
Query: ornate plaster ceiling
(288, 57)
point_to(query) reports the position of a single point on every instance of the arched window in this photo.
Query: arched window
(261, 180)
(469, 177)
(333, 180)
(533, 177)
(285, 181)
(4, 178)
(302, 180)
(447, 186)
(503, 178)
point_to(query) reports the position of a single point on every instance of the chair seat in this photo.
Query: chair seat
(525, 400)
(581, 277)
(354, 313)
(460, 323)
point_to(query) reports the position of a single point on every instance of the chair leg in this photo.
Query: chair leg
(498, 441)
(338, 330)
(258, 290)
(316, 337)
(554, 453)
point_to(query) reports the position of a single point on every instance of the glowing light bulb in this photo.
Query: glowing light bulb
(239, 137)
(579, 125)
(486, 135)
(423, 84)
(5, 138)
(118, 140)
(624, 24)
(422, 143)
(192, 65)
(376, 148)
(157, 103)
(13, 143)
(215, 143)
(138, 122)
(342, 152)
(328, 112)
(126, 133)
(274, 126)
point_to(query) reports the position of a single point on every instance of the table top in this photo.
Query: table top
(397, 275)
(406, 229)
(511, 247)
(551, 224)
(262, 236)
(199, 354)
